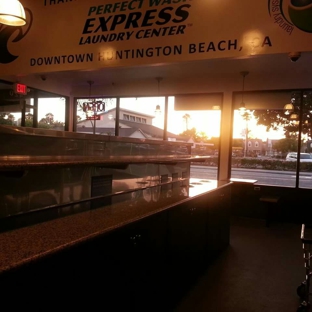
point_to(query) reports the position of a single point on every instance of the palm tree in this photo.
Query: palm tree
(186, 117)
(246, 116)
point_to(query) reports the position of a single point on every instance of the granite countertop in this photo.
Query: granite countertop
(17, 247)
(20, 162)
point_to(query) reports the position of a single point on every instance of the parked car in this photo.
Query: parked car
(304, 157)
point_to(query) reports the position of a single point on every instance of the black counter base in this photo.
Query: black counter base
(146, 265)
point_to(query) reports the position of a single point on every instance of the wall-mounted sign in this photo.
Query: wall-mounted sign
(146, 32)
(94, 117)
(20, 88)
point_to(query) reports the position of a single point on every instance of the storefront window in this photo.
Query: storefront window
(302, 101)
(199, 126)
(51, 113)
(10, 106)
(9, 117)
(38, 109)
(281, 127)
(142, 117)
(139, 117)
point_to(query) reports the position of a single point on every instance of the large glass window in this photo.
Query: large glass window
(138, 117)
(142, 117)
(302, 118)
(51, 113)
(269, 136)
(35, 109)
(11, 116)
(10, 106)
(196, 119)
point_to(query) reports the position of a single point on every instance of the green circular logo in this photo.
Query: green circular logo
(300, 14)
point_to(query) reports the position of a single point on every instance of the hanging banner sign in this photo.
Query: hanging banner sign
(88, 35)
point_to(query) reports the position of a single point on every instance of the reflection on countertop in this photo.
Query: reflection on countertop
(22, 162)
(198, 186)
(29, 243)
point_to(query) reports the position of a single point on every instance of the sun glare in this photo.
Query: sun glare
(254, 131)
(207, 121)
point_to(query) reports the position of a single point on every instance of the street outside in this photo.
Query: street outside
(266, 177)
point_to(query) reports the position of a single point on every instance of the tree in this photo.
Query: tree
(29, 123)
(286, 145)
(277, 118)
(6, 119)
(246, 116)
(49, 123)
(237, 142)
(29, 116)
(191, 133)
(215, 141)
(186, 118)
(197, 136)
(49, 118)
(202, 136)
